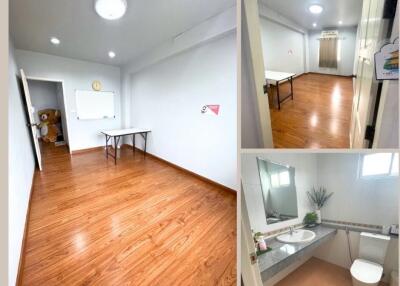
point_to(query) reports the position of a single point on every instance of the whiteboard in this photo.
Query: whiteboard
(94, 104)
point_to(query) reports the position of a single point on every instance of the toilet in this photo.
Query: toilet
(368, 268)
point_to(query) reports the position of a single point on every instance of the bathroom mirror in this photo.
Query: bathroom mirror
(278, 191)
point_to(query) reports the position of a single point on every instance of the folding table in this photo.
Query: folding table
(274, 77)
(117, 134)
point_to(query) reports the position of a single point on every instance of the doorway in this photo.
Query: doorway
(45, 104)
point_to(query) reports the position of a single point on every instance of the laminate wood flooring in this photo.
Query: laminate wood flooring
(141, 222)
(318, 117)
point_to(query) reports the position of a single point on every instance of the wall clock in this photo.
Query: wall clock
(96, 85)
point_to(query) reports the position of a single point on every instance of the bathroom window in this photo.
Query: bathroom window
(280, 179)
(380, 165)
(275, 180)
(284, 178)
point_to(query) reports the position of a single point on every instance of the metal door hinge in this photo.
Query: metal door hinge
(253, 258)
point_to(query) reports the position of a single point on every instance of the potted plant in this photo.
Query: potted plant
(310, 219)
(318, 197)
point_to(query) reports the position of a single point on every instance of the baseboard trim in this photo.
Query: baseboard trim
(23, 245)
(80, 151)
(184, 170)
(339, 75)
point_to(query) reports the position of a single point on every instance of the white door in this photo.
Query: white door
(372, 28)
(250, 272)
(32, 123)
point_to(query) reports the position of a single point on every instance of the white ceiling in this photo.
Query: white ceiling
(348, 11)
(86, 36)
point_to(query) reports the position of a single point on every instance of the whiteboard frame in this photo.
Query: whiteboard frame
(100, 118)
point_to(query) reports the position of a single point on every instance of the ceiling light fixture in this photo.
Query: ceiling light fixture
(111, 54)
(340, 22)
(315, 9)
(314, 24)
(54, 41)
(110, 9)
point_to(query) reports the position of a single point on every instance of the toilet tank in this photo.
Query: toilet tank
(373, 247)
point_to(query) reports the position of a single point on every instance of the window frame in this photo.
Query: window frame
(278, 177)
(387, 175)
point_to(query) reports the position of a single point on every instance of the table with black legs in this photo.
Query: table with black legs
(117, 134)
(274, 77)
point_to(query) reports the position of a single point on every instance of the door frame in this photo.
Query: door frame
(64, 101)
(251, 36)
(386, 88)
(249, 272)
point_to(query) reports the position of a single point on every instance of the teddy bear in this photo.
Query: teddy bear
(49, 118)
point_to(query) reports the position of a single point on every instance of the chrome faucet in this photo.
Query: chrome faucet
(291, 230)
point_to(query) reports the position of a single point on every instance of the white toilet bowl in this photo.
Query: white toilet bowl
(366, 273)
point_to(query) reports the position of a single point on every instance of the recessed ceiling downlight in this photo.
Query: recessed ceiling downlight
(110, 9)
(314, 24)
(315, 9)
(111, 54)
(54, 41)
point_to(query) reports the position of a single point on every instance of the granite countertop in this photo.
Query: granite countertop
(284, 254)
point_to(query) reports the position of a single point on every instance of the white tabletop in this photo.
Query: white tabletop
(277, 76)
(126, 131)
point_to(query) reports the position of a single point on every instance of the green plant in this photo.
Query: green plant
(318, 196)
(257, 235)
(310, 218)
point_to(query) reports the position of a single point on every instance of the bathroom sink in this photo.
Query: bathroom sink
(298, 236)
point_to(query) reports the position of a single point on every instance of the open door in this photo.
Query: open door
(32, 124)
(250, 271)
(374, 27)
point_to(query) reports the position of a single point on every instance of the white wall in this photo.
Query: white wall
(76, 75)
(21, 165)
(305, 177)
(283, 47)
(348, 44)
(372, 201)
(279, 36)
(214, 27)
(167, 98)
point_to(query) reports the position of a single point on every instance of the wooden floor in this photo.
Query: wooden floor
(141, 222)
(318, 117)
(316, 272)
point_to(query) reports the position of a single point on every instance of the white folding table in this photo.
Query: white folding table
(274, 77)
(118, 133)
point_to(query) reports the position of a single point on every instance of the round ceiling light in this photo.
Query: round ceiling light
(110, 9)
(315, 9)
(54, 41)
(111, 54)
(314, 24)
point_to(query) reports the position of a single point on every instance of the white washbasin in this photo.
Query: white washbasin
(298, 236)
